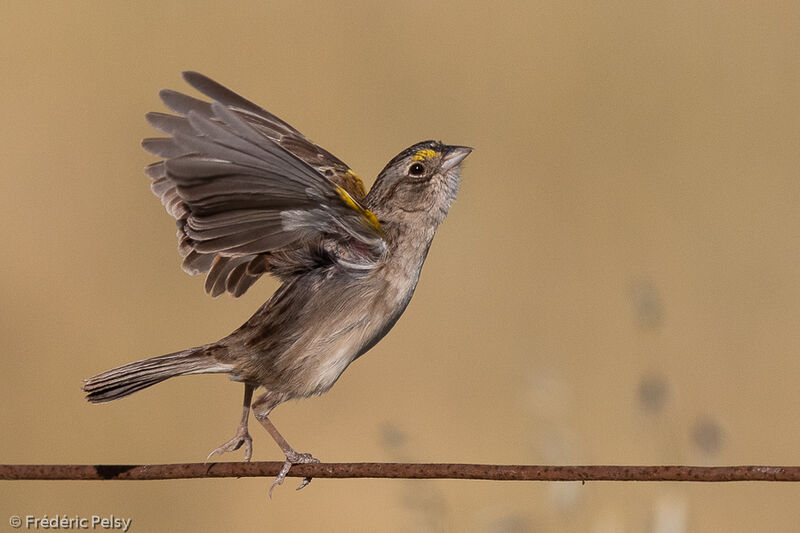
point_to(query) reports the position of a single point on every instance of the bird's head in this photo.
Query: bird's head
(419, 184)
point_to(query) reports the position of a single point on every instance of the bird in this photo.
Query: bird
(251, 195)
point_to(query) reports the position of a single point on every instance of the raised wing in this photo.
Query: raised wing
(245, 203)
(271, 126)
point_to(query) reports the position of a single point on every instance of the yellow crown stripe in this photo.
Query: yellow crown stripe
(368, 216)
(422, 155)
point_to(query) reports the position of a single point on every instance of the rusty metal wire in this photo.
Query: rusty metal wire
(404, 470)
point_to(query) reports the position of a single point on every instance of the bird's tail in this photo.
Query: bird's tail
(127, 379)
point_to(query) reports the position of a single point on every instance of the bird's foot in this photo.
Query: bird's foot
(242, 437)
(293, 458)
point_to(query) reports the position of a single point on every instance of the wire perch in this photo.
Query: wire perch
(403, 471)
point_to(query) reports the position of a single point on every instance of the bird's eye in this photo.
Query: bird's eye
(417, 169)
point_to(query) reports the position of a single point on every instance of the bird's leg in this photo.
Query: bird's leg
(242, 435)
(261, 410)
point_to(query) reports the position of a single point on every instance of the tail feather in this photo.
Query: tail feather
(127, 379)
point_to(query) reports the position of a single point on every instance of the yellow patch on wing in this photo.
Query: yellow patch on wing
(368, 216)
(355, 183)
(422, 155)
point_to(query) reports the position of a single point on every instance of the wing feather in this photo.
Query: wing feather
(270, 126)
(251, 194)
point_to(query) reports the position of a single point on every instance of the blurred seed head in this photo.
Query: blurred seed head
(708, 436)
(392, 437)
(653, 394)
(648, 308)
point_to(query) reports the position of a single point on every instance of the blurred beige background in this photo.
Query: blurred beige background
(619, 281)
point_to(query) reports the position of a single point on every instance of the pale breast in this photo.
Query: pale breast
(323, 321)
(321, 354)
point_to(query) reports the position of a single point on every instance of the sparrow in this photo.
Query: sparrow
(251, 196)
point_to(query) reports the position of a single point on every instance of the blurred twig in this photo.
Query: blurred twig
(405, 470)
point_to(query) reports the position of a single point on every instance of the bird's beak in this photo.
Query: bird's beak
(454, 155)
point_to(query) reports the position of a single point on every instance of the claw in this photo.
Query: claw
(293, 458)
(306, 481)
(241, 438)
(281, 476)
